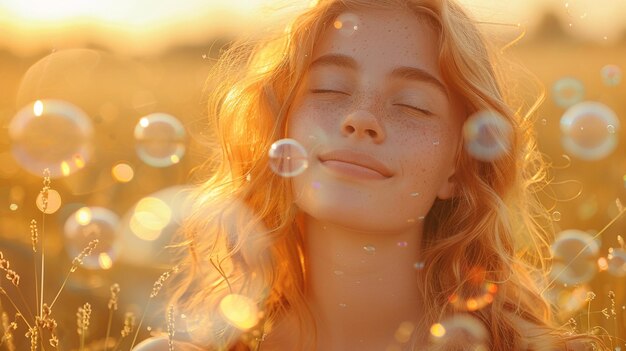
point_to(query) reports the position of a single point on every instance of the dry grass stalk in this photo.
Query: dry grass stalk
(82, 321)
(170, 327)
(8, 328)
(115, 290)
(34, 235)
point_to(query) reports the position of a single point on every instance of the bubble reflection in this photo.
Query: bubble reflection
(160, 140)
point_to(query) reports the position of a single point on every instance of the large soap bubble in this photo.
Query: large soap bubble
(51, 134)
(589, 130)
(575, 253)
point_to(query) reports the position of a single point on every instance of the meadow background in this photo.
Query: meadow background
(118, 79)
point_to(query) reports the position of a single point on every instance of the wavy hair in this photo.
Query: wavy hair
(244, 234)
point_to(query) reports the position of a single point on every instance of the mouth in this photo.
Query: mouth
(355, 164)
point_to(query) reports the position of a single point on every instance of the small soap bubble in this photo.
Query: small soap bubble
(568, 91)
(288, 158)
(54, 201)
(556, 216)
(87, 224)
(402, 244)
(51, 134)
(415, 194)
(487, 135)
(343, 305)
(617, 262)
(369, 249)
(160, 140)
(611, 75)
(418, 265)
(575, 255)
(347, 24)
(585, 130)
(13, 207)
(544, 121)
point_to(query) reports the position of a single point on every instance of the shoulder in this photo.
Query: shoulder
(161, 343)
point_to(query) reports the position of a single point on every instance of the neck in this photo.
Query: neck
(360, 286)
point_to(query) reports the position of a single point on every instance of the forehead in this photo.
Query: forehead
(382, 39)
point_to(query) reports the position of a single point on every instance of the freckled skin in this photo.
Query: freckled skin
(368, 119)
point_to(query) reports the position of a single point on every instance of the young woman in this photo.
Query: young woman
(398, 235)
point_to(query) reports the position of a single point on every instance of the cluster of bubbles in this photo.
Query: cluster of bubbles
(589, 130)
(487, 135)
(51, 134)
(87, 224)
(160, 140)
(288, 158)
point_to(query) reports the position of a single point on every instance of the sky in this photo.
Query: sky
(29, 26)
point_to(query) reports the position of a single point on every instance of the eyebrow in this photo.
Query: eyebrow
(404, 72)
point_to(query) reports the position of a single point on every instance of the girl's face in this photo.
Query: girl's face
(374, 93)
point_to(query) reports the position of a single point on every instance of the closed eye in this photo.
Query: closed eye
(327, 91)
(426, 112)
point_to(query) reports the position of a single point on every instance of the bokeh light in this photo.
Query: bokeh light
(122, 172)
(616, 262)
(589, 130)
(487, 135)
(51, 134)
(347, 24)
(288, 158)
(460, 331)
(160, 140)
(575, 253)
(87, 224)
(240, 311)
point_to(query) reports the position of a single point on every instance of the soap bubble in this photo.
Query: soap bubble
(288, 158)
(568, 91)
(347, 24)
(575, 253)
(460, 331)
(589, 130)
(611, 75)
(87, 224)
(487, 135)
(160, 140)
(617, 262)
(51, 134)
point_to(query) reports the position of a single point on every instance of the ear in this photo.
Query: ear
(448, 187)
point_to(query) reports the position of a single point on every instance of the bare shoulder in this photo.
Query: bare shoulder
(161, 343)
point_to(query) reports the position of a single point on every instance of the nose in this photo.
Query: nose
(362, 123)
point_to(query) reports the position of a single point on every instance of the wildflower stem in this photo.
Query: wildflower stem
(15, 306)
(143, 315)
(61, 288)
(106, 338)
(43, 248)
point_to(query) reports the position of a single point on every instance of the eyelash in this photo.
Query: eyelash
(325, 91)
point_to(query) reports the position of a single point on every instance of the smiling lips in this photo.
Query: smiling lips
(355, 164)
